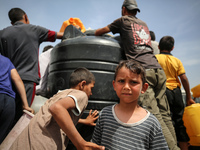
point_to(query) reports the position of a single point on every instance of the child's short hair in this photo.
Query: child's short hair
(80, 74)
(134, 67)
(166, 43)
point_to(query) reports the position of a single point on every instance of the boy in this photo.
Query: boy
(136, 43)
(126, 125)
(9, 75)
(54, 124)
(173, 68)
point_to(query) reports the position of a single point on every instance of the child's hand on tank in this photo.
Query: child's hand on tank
(91, 118)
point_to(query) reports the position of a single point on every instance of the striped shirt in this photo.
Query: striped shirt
(116, 135)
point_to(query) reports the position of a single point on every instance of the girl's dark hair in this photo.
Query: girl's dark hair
(16, 14)
(134, 67)
(166, 43)
(79, 75)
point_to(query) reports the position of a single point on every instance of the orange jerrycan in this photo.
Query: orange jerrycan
(74, 22)
(191, 118)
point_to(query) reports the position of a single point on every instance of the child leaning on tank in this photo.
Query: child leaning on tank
(54, 124)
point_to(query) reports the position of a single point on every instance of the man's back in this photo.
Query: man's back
(21, 44)
(136, 40)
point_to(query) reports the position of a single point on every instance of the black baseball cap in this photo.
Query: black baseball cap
(130, 5)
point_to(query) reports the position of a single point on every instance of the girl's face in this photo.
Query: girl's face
(128, 86)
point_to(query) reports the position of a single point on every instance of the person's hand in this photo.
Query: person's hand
(91, 146)
(29, 109)
(91, 118)
(190, 102)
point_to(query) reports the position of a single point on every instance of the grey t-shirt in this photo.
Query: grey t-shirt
(20, 43)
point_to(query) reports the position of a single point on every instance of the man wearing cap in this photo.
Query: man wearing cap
(136, 43)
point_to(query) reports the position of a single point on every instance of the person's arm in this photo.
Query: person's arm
(60, 35)
(59, 111)
(102, 31)
(91, 118)
(21, 90)
(186, 87)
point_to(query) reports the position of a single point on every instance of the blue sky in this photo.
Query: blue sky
(177, 18)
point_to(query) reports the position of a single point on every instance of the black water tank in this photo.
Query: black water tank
(100, 55)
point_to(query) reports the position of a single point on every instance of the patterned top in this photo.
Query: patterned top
(116, 135)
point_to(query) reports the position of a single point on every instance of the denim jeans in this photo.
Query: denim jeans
(7, 114)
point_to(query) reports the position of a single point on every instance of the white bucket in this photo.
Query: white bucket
(16, 130)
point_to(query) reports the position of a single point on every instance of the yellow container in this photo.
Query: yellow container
(191, 118)
(196, 91)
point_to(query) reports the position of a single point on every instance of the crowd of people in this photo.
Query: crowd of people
(147, 85)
